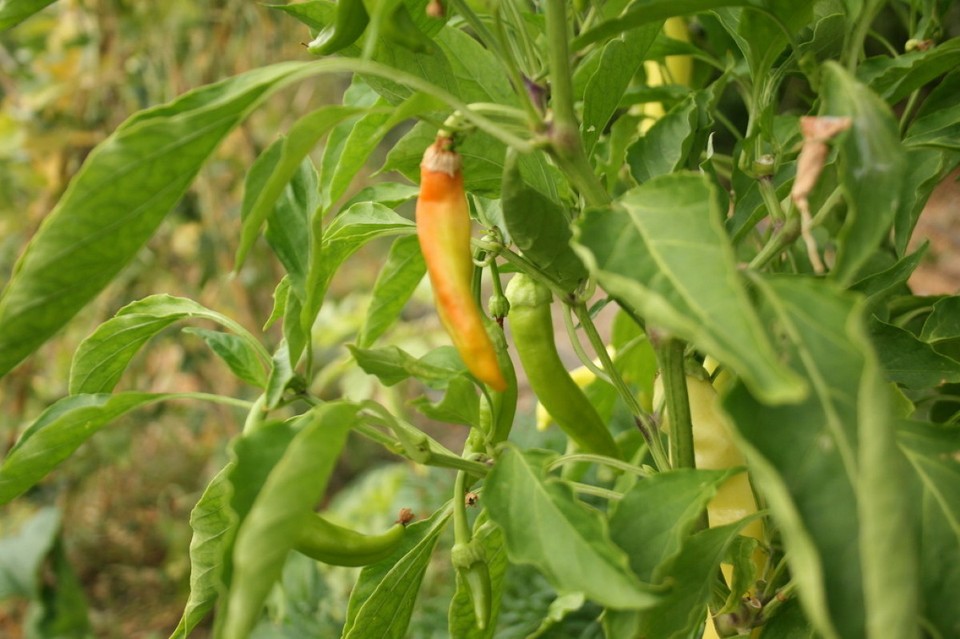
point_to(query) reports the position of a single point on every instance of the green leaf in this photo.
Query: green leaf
(462, 620)
(618, 64)
(824, 465)
(392, 365)
(577, 554)
(300, 140)
(872, 168)
(60, 609)
(538, 226)
(691, 573)
(115, 203)
(316, 14)
(655, 516)
(383, 598)
(397, 281)
(664, 253)
(23, 551)
(292, 489)
(459, 405)
(894, 78)
(104, 355)
(940, 556)
(762, 38)
(483, 159)
(943, 324)
(389, 194)
(667, 145)
(213, 524)
(350, 230)
(788, 622)
(13, 12)
(937, 124)
(879, 286)
(243, 361)
(287, 227)
(926, 169)
(643, 12)
(60, 430)
(910, 361)
(281, 374)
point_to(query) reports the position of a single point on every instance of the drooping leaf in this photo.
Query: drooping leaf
(664, 253)
(383, 598)
(824, 464)
(59, 431)
(116, 202)
(399, 277)
(762, 36)
(872, 168)
(104, 355)
(292, 489)
(577, 555)
(13, 12)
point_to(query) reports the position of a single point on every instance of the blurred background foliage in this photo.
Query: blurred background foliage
(113, 522)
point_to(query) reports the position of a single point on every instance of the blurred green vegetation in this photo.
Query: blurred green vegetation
(68, 77)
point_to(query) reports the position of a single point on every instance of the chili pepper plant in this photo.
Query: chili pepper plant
(712, 201)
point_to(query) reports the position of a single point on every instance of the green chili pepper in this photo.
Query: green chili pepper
(350, 22)
(325, 541)
(471, 564)
(531, 323)
(498, 408)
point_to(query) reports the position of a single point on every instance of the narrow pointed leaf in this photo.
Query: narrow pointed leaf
(116, 202)
(59, 431)
(236, 353)
(824, 465)
(13, 12)
(397, 281)
(664, 253)
(384, 596)
(102, 357)
(293, 488)
(872, 168)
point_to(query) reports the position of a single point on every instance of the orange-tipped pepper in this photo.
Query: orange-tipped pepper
(443, 227)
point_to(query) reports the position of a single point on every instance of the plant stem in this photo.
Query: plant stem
(565, 143)
(644, 422)
(670, 355)
(574, 458)
(596, 491)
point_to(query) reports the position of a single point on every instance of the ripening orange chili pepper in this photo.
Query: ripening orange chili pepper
(443, 227)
